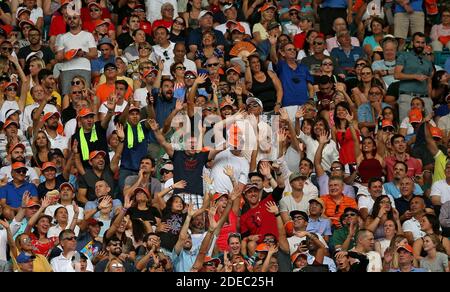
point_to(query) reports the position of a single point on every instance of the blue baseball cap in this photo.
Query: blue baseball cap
(23, 258)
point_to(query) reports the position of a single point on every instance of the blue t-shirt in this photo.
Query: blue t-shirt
(294, 82)
(334, 4)
(131, 157)
(416, 5)
(394, 191)
(14, 195)
(365, 112)
(347, 61)
(98, 64)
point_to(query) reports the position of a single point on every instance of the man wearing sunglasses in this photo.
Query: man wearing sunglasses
(17, 152)
(80, 40)
(68, 260)
(314, 61)
(345, 238)
(11, 194)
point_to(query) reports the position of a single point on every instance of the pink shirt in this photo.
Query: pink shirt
(439, 30)
(414, 166)
(333, 43)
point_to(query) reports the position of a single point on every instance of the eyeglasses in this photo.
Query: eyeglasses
(21, 171)
(70, 238)
(76, 82)
(180, 68)
(349, 215)
(317, 43)
(269, 240)
(212, 64)
(374, 93)
(388, 129)
(77, 92)
(361, 65)
(11, 89)
(327, 64)
(238, 264)
(211, 109)
(7, 49)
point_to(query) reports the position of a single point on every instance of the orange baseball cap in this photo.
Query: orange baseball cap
(85, 112)
(235, 69)
(210, 259)
(64, 2)
(224, 104)
(49, 115)
(48, 165)
(386, 123)
(217, 196)
(239, 28)
(406, 247)
(17, 145)
(99, 22)
(93, 154)
(32, 203)
(262, 247)
(9, 122)
(18, 165)
(415, 116)
(12, 84)
(295, 256)
(295, 7)
(149, 71)
(70, 54)
(289, 227)
(436, 132)
(266, 6)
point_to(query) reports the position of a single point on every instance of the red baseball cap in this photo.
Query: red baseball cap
(436, 132)
(415, 116)
(18, 165)
(386, 123)
(15, 146)
(149, 71)
(140, 189)
(9, 122)
(295, 7)
(66, 184)
(49, 115)
(48, 165)
(217, 196)
(262, 247)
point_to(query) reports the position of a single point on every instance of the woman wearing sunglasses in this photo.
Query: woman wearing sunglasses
(23, 244)
(178, 31)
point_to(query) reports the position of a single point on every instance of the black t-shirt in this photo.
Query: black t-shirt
(175, 221)
(47, 53)
(100, 144)
(89, 180)
(42, 189)
(394, 89)
(125, 39)
(190, 169)
(68, 114)
(147, 215)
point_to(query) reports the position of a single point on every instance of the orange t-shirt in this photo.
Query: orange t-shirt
(105, 90)
(334, 211)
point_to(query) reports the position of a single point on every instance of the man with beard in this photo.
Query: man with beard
(164, 49)
(148, 80)
(36, 47)
(16, 153)
(415, 73)
(51, 123)
(97, 172)
(84, 46)
(163, 101)
(144, 178)
(48, 82)
(114, 249)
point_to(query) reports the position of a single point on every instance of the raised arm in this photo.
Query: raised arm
(201, 78)
(116, 224)
(9, 237)
(118, 153)
(76, 211)
(111, 106)
(323, 140)
(168, 122)
(273, 50)
(184, 231)
(35, 217)
(294, 141)
(272, 250)
(282, 239)
(160, 138)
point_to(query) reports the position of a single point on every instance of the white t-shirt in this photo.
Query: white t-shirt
(222, 182)
(190, 66)
(153, 8)
(288, 203)
(62, 264)
(83, 40)
(140, 95)
(375, 262)
(366, 202)
(31, 174)
(165, 54)
(413, 225)
(70, 127)
(27, 120)
(444, 123)
(60, 142)
(54, 231)
(294, 242)
(329, 154)
(36, 13)
(50, 210)
(119, 109)
(441, 189)
(291, 29)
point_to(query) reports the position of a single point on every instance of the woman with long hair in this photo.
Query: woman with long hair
(371, 44)
(41, 146)
(327, 68)
(178, 31)
(342, 133)
(260, 33)
(307, 51)
(390, 228)
(383, 211)
(429, 224)
(436, 260)
(115, 265)
(360, 94)
(191, 16)
(23, 243)
(390, 258)
(177, 71)
(79, 81)
(208, 49)
(263, 84)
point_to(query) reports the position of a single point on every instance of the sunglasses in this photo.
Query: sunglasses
(388, 129)
(361, 65)
(21, 170)
(238, 264)
(70, 238)
(211, 109)
(11, 89)
(317, 43)
(293, 13)
(189, 76)
(349, 215)
(290, 49)
(117, 266)
(210, 264)
(269, 240)
(77, 92)
(7, 49)
(76, 82)
(327, 64)
(180, 68)
(165, 171)
(212, 64)
(95, 10)
(373, 93)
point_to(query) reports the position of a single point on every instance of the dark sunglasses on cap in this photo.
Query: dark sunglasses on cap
(388, 129)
